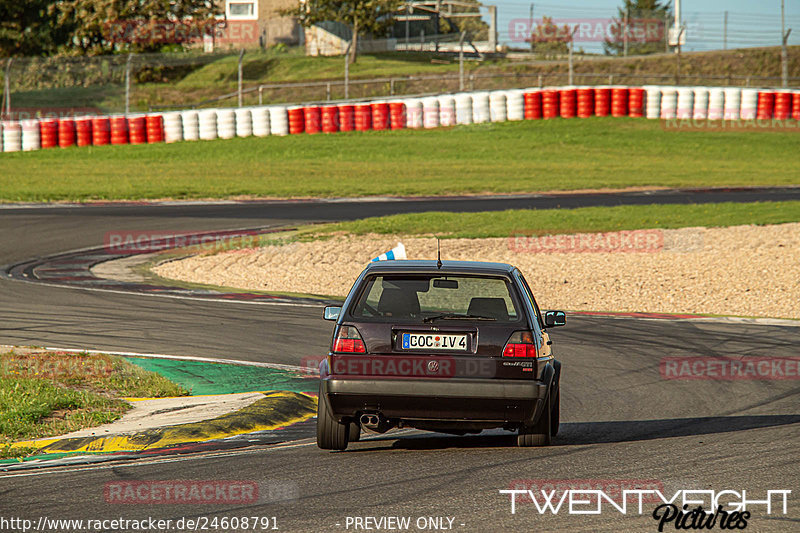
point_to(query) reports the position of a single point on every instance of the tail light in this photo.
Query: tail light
(520, 344)
(348, 340)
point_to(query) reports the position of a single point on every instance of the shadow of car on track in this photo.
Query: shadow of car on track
(580, 433)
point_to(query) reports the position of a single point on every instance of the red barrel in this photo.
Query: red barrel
(796, 106)
(380, 116)
(568, 103)
(636, 102)
(397, 113)
(101, 131)
(602, 101)
(347, 119)
(312, 117)
(363, 114)
(330, 119)
(533, 105)
(585, 102)
(137, 130)
(619, 101)
(83, 128)
(119, 130)
(66, 132)
(155, 129)
(783, 105)
(550, 104)
(48, 130)
(766, 103)
(297, 123)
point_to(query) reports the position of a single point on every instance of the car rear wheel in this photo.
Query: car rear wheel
(331, 434)
(354, 434)
(538, 434)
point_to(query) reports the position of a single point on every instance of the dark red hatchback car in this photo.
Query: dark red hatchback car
(454, 347)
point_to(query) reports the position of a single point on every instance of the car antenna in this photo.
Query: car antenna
(438, 254)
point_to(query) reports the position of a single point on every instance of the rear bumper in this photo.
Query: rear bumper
(452, 400)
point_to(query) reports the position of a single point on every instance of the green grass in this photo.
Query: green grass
(558, 221)
(50, 393)
(511, 157)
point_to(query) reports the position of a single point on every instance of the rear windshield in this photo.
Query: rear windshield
(416, 298)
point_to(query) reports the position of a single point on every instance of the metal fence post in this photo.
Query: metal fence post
(260, 95)
(241, 56)
(128, 84)
(6, 109)
(347, 70)
(461, 61)
(328, 91)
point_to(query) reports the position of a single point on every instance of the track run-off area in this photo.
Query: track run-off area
(624, 421)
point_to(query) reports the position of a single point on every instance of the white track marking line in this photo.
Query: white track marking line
(278, 366)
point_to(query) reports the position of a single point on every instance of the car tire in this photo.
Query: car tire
(538, 434)
(331, 434)
(555, 418)
(354, 433)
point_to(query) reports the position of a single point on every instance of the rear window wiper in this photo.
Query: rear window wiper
(453, 316)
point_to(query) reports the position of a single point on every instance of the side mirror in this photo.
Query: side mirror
(331, 312)
(555, 318)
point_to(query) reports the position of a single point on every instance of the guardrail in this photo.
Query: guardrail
(453, 82)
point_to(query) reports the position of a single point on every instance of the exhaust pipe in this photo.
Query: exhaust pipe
(375, 422)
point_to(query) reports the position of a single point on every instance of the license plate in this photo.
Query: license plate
(434, 341)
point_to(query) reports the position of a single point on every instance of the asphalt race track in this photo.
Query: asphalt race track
(621, 421)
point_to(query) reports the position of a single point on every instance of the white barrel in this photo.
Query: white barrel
(208, 124)
(31, 140)
(260, 117)
(463, 108)
(447, 110)
(226, 123)
(244, 122)
(700, 109)
(716, 103)
(480, 107)
(430, 112)
(191, 125)
(12, 136)
(669, 102)
(685, 102)
(278, 120)
(733, 101)
(652, 101)
(497, 106)
(515, 104)
(414, 113)
(173, 127)
(749, 104)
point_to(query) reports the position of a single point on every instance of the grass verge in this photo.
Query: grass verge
(558, 221)
(511, 157)
(44, 394)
